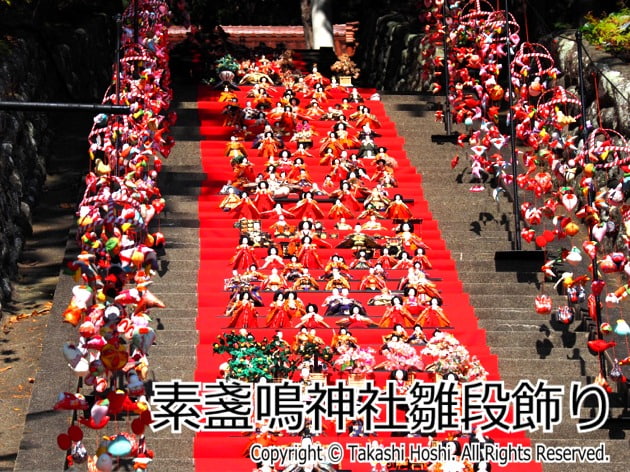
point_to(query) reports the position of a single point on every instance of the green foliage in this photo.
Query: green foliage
(611, 32)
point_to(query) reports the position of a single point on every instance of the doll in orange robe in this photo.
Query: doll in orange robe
(433, 316)
(339, 210)
(396, 314)
(243, 312)
(372, 281)
(398, 209)
(269, 146)
(347, 141)
(244, 256)
(293, 305)
(410, 241)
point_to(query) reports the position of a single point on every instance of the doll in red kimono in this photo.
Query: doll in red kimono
(433, 316)
(307, 254)
(277, 317)
(245, 255)
(398, 209)
(396, 314)
(246, 208)
(307, 207)
(243, 312)
(312, 319)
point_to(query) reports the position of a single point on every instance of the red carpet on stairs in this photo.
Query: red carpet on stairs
(219, 239)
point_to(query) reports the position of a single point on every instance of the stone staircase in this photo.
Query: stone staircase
(473, 225)
(528, 345)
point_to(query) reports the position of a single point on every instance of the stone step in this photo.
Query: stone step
(529, 337)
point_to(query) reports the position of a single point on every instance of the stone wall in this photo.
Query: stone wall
(611, 74)
(390, 51)
(389, 47)
(390, 60)
(54, 63)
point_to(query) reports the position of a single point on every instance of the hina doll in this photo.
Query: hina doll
(314, 110)
(338, 171)
(263, 197)
(273, 260)
(245, 208)
(235, 149)
(367, 118)
(277, 317)
(297, 171)
(280, 227)
(433, 316)
(230, 200)
(307, 254)
(337, 280)
(339, 210)
(336, 261)
(328, 156)
(312, 319)
(417, 337)
(344, 137)
(377, 198)
(371, 281)
(382, 299)
(372, 225)
(396, 314)
(243, 173)
(305, 282)
(343, 305)
(315, 78)
(253, 276)
(244, 255)
(386, 260)
(346, 195)
(410, 241)
(398, 209)
(417, 279)
(361, 262)
(268, 146)
(227, 95)
(307, 207)
(288, 120)
(292, 269)
(243, 312)
(413, 301)
(293, 305)
(356, 318)
(343, 339)
(331, 142)
(421, 257)
(404, 263)
(274, 281)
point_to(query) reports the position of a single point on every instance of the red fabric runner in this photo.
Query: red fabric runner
(219, 238)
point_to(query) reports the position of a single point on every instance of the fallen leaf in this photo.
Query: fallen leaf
(4, 369)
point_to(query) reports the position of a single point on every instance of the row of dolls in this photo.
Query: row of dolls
(288, 310)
